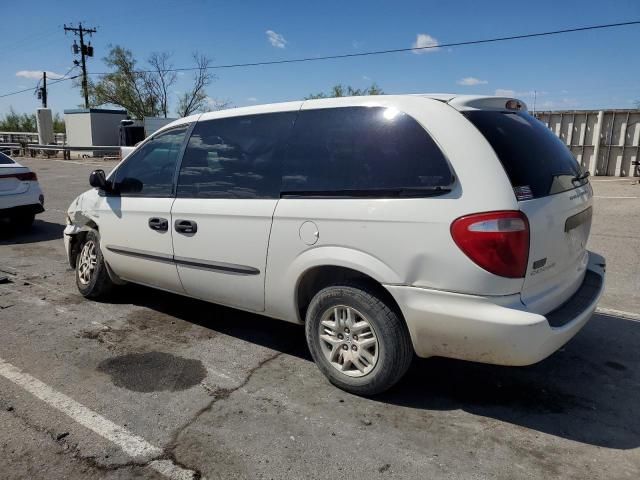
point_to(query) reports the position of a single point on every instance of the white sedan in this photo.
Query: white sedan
(20, 195)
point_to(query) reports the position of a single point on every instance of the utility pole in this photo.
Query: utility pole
(42, 91)
(85, 51)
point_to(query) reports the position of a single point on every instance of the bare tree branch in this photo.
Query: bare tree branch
(195, 99)
(162, 79)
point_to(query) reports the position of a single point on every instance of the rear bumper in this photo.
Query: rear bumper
(497, 330)
(21, 210)
(29, 201)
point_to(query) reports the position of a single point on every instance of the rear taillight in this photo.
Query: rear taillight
(23, 177)
(27, 177)
(496, 241)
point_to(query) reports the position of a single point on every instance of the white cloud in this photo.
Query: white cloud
(252, 99)
(426, 43)
(366, 79)
(471, 81)
(501, 92)
(275, 39)
(37, 74)
(214, 104)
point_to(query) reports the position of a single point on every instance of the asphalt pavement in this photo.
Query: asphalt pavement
(153, 385)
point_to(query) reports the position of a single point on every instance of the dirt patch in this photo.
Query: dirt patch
(153, 372)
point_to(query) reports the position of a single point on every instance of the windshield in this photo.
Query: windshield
(536, 161)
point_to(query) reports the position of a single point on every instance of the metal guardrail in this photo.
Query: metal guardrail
(33, 148)
(66, 149)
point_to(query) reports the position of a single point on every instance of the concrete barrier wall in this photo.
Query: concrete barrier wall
(605, 142)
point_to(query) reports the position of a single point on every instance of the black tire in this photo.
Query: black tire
(394, 348)
(24, 222)
(98, 284)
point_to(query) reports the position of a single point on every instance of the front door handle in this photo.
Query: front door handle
(186, 226)
(159, 224)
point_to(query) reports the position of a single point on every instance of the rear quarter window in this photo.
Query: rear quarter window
(353, 150)
(532, 156)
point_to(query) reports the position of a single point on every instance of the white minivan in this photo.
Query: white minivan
(436, 225)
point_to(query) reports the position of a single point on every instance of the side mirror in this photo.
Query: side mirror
(98, 179)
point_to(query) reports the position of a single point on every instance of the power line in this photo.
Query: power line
(399, 50)
(375, 52)
(63, 79)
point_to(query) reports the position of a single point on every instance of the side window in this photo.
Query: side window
(236, 157)
(361, 149)
(150, 171)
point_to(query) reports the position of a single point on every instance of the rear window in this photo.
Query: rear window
(362, 151)
(536, 161)
(5, 160)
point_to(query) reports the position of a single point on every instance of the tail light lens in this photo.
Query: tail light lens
(496, 241)
(27, 177)
(23, 177)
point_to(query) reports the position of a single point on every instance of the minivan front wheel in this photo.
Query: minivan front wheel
(358, 342)
(92, 277)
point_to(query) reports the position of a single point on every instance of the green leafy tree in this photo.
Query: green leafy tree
(125, 86)
(145, 91)
(340, 90)
(18, 122)
(58, 124)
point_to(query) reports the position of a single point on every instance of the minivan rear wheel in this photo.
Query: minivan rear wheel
(360, 343)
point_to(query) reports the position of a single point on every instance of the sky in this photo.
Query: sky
(596, 69)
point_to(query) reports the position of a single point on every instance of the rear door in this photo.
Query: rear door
(554, 194)
(228, 189)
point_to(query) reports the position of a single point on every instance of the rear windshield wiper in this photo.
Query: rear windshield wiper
(369, 193)
(582, 176)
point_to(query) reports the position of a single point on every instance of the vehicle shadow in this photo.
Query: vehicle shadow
(588, 392)
(40, 231)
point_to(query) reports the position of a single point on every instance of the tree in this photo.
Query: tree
(26, 122)
(18, 122)
(341, 91)
(146, 91)
(125, 86)
(162, 79)
(58, 124)
(196, 98)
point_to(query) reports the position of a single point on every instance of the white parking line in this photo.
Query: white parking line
(617, 198)
(619, 313)
(621, 179)
(130, 443)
